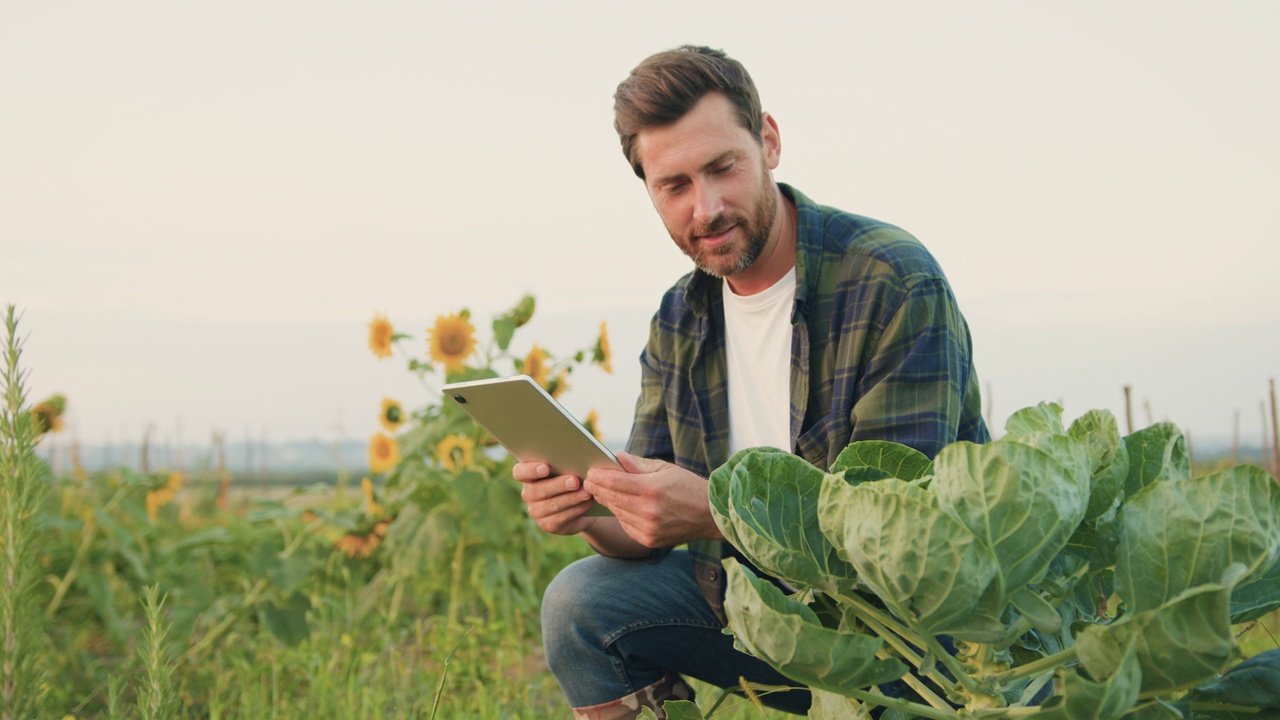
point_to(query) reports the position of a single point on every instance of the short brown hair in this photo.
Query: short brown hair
(660, 90)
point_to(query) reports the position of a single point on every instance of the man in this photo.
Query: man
(801, 327)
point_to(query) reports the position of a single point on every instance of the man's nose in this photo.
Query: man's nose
(708, 203)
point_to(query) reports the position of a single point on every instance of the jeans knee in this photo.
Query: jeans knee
(566, 611)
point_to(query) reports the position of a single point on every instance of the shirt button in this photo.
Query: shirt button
(713, 575)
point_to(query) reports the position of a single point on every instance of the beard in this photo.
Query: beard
(732, 258)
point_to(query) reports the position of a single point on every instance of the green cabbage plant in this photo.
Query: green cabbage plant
(1056, 572)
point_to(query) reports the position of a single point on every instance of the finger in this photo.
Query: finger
(560, 510)
(537, 491)
(638, 465)
(613, 490)
(627, 461)
(529, 472)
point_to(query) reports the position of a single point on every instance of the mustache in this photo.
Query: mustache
(715, 226)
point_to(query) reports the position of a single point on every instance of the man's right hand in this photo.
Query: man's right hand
(556, 503)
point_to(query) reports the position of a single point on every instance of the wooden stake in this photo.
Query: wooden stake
(1235, 439)
(1266, 440)
(144, 459)
(1275, 434)
(1128, 409)
(1191, 458)
(991, 403)
(224, 477)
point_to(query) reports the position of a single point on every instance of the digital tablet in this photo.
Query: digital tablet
(532, 426)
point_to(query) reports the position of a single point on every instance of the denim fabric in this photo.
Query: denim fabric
(611, 627)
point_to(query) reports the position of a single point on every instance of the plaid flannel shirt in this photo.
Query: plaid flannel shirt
(879, 351)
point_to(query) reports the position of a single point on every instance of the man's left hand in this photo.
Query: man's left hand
(658, 504)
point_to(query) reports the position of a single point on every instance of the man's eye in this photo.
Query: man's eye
(676, 189)
(723, 169)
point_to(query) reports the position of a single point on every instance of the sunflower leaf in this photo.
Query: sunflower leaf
(503, 329)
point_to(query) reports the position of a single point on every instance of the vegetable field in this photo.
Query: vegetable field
(171, 594)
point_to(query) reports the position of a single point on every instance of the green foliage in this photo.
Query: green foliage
(296, 604)
(157, 698)
(1020, 550)
(23, 484)
(450, 498)
(788, 634)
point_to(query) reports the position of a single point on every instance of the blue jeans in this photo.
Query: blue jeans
(611, 627)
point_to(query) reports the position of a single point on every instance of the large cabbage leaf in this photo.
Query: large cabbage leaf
(1179, 534)
(1098, 432)
(1109, 696)
(922, 562)
(1256, 596)
(1156, 453)
(1042, 418)
(1022, 497)
(765, 502)
(1179, 644)
(788, 635)
(893, 459)
(1254, 682)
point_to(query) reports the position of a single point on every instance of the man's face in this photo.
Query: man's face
(710, 181)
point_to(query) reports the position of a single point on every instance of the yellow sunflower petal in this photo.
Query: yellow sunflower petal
(558, 384)
(535, 365)
(592, 424)
(380, 335)
(384, 453)
(455, 452)
(603, 355)
(452, 340)
(392, 415)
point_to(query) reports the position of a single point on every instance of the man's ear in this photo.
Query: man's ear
(770, 140)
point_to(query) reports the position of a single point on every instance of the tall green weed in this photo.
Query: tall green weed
(23, 483)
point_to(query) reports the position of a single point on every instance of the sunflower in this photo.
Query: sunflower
(380, 336)
(535, 365)
(392, 415)
(592, 424)
(455, 452)
(522, 312)
(384, 453)
(558, 384)
(48, 414)
(362, 545)
(452, 340)
(602, 355)
(372, 508)
(158, 497)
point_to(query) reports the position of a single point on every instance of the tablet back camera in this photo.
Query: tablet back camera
(460, 399)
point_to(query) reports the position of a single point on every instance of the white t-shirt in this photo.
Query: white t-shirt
(758, 355)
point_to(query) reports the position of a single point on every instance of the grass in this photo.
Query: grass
(255, 610)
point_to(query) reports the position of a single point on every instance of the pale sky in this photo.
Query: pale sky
(203, 204)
